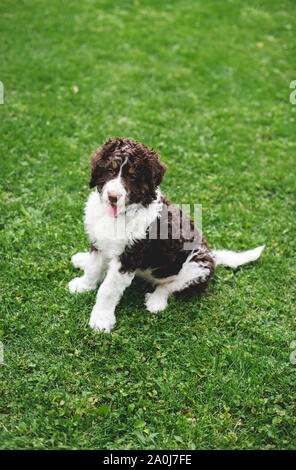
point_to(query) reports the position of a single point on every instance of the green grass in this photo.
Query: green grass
(207, 85)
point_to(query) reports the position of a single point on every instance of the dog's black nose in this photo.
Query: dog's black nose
(113, 197)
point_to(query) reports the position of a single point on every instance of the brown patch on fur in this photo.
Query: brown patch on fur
(141, 175)
(166, 256)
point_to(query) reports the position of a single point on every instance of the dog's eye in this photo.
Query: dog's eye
(132, 173)
(114, 165)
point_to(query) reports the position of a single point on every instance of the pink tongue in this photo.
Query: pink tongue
(112, 210)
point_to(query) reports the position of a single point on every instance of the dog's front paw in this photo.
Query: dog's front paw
(102, 322)
(155, 302)
(78, 284)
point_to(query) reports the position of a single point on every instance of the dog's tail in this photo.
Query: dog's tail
(233, 259)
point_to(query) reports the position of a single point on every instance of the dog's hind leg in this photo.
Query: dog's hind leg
(80, 260)
(157, 300)
(190, 273)
(94, 266)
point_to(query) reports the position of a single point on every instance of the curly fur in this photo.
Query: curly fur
(134, 230)
(147, 168)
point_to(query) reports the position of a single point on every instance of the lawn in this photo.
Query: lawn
(207, 84)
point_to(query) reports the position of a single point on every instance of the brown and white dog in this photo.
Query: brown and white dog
(134, 230)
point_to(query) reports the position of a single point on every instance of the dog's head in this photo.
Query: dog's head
(125, 172)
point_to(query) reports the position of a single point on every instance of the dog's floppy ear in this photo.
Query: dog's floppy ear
(99, 158)
(158, 169)
(94, 178)
(96, 159)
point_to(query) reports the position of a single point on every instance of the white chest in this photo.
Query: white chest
(112, 235)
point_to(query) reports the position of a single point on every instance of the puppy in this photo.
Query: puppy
(134, 230)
